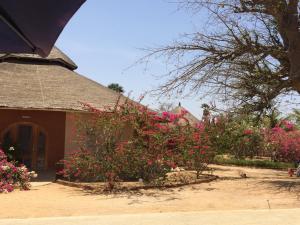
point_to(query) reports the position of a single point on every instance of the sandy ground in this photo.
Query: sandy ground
(263, 189)
(227, 217)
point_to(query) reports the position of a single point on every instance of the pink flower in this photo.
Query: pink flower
(157, 118)
(288, 125)
(183, 112)
(191, 152)
(173, 117)
(200, 126)
(149, 162)
(248, 132)
(277, 129)
(165, 114)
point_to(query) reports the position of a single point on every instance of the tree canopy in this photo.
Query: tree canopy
(249, 54)
(116, 87)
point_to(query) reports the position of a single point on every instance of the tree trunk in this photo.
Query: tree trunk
(294, 57)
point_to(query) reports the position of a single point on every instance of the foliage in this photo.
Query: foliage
(198, 148)
(295, 117)
(81, 165)
(242, 137)
(12, 175)
(284, 141)
(116, 87)
(130, 142)
(235, 135)
(267, 164)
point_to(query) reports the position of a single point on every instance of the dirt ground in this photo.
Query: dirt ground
(263, 189)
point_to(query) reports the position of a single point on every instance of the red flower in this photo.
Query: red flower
(173, 117)
(149, 162)
(191, 152)
(165, 114)
(169, 152)
(157, 118)
(248, 132)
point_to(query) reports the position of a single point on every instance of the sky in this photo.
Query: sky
(106, 37)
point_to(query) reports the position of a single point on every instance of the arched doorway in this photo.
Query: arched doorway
(29, 142)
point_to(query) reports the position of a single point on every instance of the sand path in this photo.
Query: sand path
(265, 188)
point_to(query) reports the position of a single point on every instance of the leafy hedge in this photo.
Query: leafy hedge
(266, 164)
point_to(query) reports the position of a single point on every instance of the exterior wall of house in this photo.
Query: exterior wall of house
(71, 138)
(52, 122)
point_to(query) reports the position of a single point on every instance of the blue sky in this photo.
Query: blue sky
(104, 38)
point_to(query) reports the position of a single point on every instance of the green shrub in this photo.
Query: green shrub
(267, 164)
(237, 136)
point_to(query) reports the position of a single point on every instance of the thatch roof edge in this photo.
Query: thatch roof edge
(56, 55)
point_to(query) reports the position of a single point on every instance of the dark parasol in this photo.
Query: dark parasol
(33, 26)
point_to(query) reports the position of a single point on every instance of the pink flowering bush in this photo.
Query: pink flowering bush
(196, 147)
(284, 141)
(12, 176)
(240, 137)
(131, 142)
(286, 125)
(162, 142)
(80, 165)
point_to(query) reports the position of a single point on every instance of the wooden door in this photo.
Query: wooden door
(30, 143)
(39, 150)
(25, 144)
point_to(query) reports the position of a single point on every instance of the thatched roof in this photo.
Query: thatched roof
(189, 116)
(55, 57)
(31, 82)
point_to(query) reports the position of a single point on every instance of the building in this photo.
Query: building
(187, 115)
(38, 97)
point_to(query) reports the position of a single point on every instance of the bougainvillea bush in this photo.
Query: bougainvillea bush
(81, 165)
(131, 142)
(160, 142)
(284, 141)
(242, 136)
(12, 176)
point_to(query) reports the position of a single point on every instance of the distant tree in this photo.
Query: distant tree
(274, 117)
(206, 112)
(165, 106)
(295, 117)
(116, 87)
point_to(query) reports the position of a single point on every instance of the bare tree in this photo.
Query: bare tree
(165, 106)
(250, 54)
